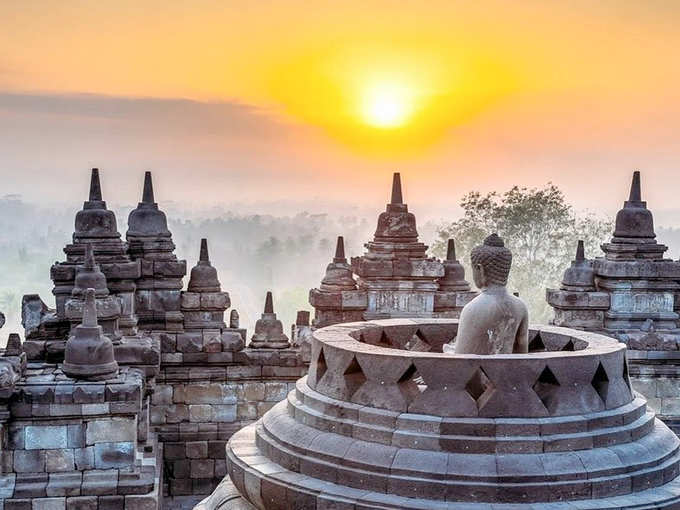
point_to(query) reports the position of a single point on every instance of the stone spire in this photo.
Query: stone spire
(203, 276)
(454, 272)
(396, 190)
(634, 236)
(94, 221)
(634, 220)
(147, 193)
(396, 223)
(340, 250)
(95, 186)
(580, 276)
(268, 329)
(338, 273)
(89, 354)
(147, 220)
(90, 276)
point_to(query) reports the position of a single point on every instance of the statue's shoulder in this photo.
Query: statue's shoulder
(519, 305)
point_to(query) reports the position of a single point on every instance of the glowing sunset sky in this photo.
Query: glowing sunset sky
(301, 100)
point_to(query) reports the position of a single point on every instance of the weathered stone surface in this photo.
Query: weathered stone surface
(110, 429)
(46, 437)
(59, 460)
(112, 455)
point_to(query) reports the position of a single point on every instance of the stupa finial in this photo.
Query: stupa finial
(269, 303)
(89, 257)
(396, 189)
(451, 250)
(147, 195)
(204, 257)
(95, 186)
(580, 251)
(89, 310)
(340, 250)
(635, 191)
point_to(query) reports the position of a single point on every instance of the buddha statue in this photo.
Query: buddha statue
(495, 322)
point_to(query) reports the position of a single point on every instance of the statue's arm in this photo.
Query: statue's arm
(522, 338)
(463, 331)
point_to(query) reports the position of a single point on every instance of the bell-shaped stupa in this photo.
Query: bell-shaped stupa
(89, 354)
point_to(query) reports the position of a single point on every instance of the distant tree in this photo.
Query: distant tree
(540, 228)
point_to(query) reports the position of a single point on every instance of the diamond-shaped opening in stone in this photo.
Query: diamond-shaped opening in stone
(412, 379)
(626, 376)
(321, 366)
(418, 343)
(569, 346)
(537, 345)
(354, 376)
(385, 341)
(601, 382)
(545, 387)
(478, 384)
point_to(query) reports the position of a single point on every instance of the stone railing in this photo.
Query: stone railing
(398, 365)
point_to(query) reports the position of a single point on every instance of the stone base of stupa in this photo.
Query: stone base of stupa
(372, 427)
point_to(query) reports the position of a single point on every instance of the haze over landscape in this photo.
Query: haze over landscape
(273, 108)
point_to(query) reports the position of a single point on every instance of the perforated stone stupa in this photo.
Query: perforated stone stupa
(377, 426)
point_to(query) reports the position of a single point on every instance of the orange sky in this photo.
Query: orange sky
(282, 100)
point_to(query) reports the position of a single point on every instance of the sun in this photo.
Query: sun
(386, 105)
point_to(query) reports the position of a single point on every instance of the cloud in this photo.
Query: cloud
(173, 115)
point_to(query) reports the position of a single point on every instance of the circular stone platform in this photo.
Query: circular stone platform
(386, 420)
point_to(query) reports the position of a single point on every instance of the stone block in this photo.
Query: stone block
(190, 301)
(200, 413)
(162, 394)
(168, 342)
(82, 503)
(114, 455)
(88, 394)
(110, 430)
(203, 393)
(172, 451)
(202, 468)
(111, 502)
(17, 504)
(253, 391)
(212, 340)
(84, 458)
(215, 301)
(220, 468)
(46, 437)
(181, 468)
(16, 438)
(275, 392)
(140, 502)
(76, 435)
(190, 342)
(64, 484)
(59, 460)
(246, 411)
(666, 387)
(177, 413)
(224, 413)
(232, 341)
(29, 461)
(95, 409)
(197, 449)
(49, 504)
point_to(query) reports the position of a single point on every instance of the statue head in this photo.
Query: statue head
(491, 262)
